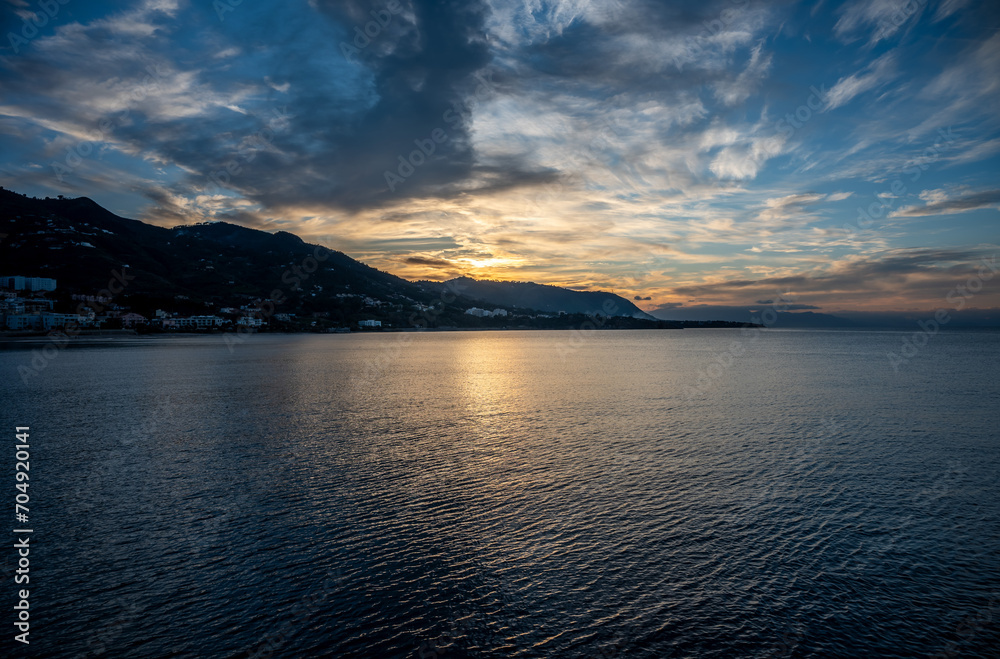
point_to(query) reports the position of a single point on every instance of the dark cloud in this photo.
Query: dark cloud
(421, 85)
(165, 211)
(959, 204)
(427, 72)
(791, 306)
(783, 317)
(430, 262)
(917, 274)
(345, 121)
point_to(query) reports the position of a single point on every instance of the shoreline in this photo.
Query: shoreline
(15, 340)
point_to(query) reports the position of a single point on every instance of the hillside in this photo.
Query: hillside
(81, 244)
(544, 298)
(202, 268)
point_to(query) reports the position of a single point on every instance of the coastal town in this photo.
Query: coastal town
(27, 305)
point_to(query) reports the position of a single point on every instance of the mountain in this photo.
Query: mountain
(203, 268)
(970, 318)
(783, 319)
(548, 299)
(82, 245)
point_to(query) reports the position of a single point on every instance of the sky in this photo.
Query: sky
(687, 155)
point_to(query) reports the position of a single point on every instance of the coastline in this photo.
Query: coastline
(16, 340)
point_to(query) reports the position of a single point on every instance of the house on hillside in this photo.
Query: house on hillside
(132, 320)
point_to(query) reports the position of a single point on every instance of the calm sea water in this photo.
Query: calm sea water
(513, 494)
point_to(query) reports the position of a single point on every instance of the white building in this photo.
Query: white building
(23, 321)
(483, 313)
(19, 283)
(51, 320)
(197, 322)
(249, 321)
(132, 319)
(12, 306)
(37, 305)
(369, 323)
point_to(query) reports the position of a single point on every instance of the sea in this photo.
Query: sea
(675, 493)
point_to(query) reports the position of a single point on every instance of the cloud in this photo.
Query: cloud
(780, 209)
(350, 122)
(638, 145)
(883, 17)
(738, 90)
(876, 74)
(795, 307)
(742, 314)
(428, 261)
(747, 151)
(948, 7)
(890, 280)
(940, 202)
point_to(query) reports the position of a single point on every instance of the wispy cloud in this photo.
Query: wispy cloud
(881, 18)
(874, 75)
(897, 279)
(944, 202)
